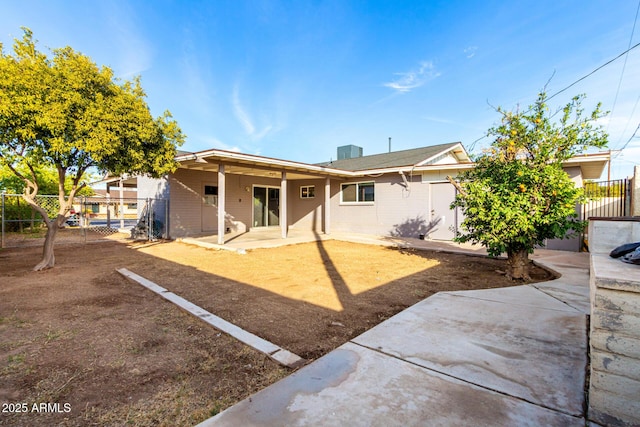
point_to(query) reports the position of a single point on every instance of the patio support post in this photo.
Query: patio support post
(108, 208)
(327, 203)
(283, 204)
(221, 203)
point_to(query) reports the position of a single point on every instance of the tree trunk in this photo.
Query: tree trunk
(518, 264)
(48, 257)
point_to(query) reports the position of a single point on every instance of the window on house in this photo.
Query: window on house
(308, 192)
(358, 192)
(132, 206)
(210, 195)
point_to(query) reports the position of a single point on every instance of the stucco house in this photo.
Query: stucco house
(400, 193)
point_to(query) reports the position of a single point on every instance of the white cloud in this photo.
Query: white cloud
(134, 51)
(241, 115)
(212, 142)
(470, 52)
(439, 120)
(263, 133)
(415, 78)
(196, 82)
(245, 119)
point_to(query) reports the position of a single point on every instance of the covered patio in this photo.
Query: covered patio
(269, 184)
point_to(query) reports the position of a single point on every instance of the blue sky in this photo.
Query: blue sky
(297, 79)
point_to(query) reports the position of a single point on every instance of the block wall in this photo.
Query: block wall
(614, 388)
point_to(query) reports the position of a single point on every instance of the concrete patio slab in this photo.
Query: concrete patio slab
(533, 353)
(573, 295)
(357, 386)
(560, 259)
(517, 295)
(570, 287)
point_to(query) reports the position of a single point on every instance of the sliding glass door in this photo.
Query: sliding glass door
(266, 206)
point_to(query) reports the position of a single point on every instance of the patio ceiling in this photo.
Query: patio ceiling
(243, 169)
(243, 164)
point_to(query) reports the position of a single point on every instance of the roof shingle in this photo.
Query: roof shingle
(394, 159)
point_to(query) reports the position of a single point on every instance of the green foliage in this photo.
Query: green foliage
(18, 214)
(47, 179)
(68, 115)
(518, 195)
(65, 115)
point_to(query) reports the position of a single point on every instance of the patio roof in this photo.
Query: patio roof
(250, 164)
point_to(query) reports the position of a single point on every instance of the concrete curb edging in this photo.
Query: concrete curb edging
(276, 353)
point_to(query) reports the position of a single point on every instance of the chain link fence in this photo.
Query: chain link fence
(91, 219)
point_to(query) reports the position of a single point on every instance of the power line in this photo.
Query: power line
(629, 120)
(629, 140)
(578, 81)
(594, 71)
(615, 99)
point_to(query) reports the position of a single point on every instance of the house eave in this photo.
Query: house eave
(192, 160)
(458, 151)
(591, 165)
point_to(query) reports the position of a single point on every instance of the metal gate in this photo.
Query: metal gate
(606, 199)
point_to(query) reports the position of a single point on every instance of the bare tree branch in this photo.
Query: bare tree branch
(456, 184)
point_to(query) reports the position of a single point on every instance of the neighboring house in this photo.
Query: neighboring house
(120, 197)
(102, 201)
(402, 193)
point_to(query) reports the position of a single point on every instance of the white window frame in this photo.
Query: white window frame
(308, 187)
(357, 202)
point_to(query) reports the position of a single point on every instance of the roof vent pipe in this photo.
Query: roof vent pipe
(389, 144)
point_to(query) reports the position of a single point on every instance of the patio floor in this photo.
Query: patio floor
(272, 238)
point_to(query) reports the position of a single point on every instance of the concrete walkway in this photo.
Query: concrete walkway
(499, 357)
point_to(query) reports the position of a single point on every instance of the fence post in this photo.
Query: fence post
(149, 220)
(108, 210)
(84, 219)
(121, 203)
(166, 218)
(2, 239)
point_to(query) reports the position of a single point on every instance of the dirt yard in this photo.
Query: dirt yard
(97, 349)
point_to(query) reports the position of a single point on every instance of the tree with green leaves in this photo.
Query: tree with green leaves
(47, 179)
(518, 195)
(66, 113)
(16, 211)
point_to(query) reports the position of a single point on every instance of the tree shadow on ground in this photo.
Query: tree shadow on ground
(417, 227)
(90, 316)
